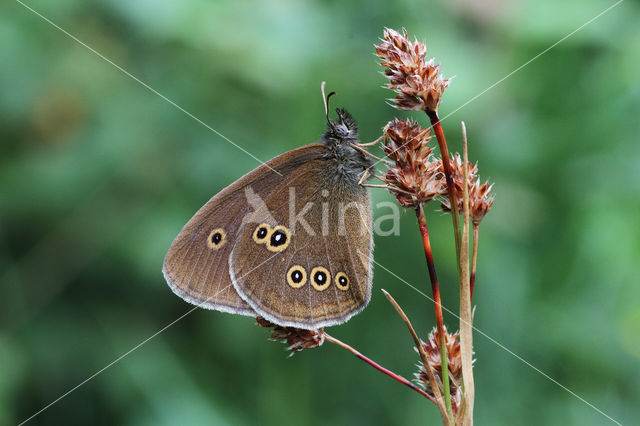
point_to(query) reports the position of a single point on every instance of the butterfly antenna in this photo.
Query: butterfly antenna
(325, 99)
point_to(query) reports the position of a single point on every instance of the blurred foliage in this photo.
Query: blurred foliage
(98, 174)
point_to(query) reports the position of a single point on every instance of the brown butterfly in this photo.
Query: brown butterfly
(290, 241)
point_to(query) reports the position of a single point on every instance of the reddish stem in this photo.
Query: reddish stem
(378, 367)
(444, 360)
(475, 255)
(446, 164)
(435, 288)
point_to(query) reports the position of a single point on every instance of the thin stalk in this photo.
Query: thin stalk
(366, 153)
(425, 360)
(378, 367)
(422, 223)
(466, 331)
(474, 258)
(446, 164)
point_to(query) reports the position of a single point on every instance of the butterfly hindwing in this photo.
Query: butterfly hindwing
(321, 274)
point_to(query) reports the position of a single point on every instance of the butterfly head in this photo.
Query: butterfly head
(343, 130)
(341, 138)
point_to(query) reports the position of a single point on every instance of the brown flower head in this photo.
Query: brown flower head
(432, 349)
(416, 81)
(414, 177)
(297, 339)
(457, 174)
(480, 199)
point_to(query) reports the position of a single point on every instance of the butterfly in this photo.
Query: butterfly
(290, 241)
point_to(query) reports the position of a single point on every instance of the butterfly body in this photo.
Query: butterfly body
(290, 241)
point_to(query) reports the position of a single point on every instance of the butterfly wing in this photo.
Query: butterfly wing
(313, 268)
(196, 266)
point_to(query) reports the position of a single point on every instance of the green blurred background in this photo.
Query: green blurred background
(98, 175)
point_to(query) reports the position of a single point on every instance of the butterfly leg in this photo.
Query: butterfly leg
(370, 143)
(369, 185)
(366, 153)
(365, 176)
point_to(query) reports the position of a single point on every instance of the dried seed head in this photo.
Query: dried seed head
(480, 199)
(457, 172)
(416, 81)
(414, 177)
(297, 339)
(432, 349)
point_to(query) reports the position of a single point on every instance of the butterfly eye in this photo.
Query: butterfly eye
(216, 238)
(342, 130)
(342, 281)
(320, 278)
(261, 232)
(279, 239)
(297, 276)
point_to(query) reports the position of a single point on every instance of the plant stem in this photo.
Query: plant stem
(422, 223)
(378, 367)
(425, 360)
(446, 164)
(466, 327)
(435, 288)
(474, 258)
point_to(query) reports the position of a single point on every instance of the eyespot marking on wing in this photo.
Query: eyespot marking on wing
(320, 278)
(278, 239)
(342, 281)
(296, 276)
(261, 233)
(216, 239)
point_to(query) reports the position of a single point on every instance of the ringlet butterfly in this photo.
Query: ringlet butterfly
(290, 241)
